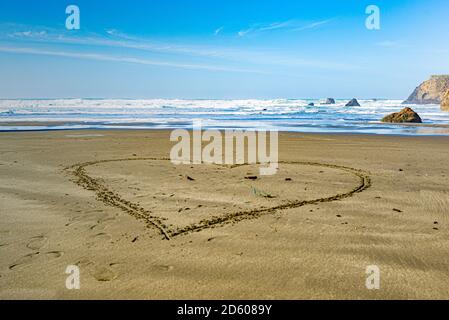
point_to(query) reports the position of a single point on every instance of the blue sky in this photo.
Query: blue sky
(220, 49)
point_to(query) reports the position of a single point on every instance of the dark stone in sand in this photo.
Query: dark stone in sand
(251, 177)
(406, 115)
(353, 103)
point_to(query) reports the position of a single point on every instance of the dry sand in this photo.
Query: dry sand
(338, 204)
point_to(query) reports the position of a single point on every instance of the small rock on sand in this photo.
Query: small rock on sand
(251, 177)
(406, 115)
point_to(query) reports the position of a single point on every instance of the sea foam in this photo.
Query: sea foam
(280, 114)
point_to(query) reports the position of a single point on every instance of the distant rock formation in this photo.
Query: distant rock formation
(406, 115)
(430, 91)
(330, 101)
(353, 103)
(311, 104)
(445, 101)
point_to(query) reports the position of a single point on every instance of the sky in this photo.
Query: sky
(220, 49)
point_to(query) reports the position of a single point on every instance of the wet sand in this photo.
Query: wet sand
(108, 201)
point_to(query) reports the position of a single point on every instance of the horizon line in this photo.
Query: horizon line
(162, 98)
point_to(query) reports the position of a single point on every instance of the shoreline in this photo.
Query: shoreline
(132, 127)
(282, 115)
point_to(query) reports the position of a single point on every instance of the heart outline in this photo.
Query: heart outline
(114, 199)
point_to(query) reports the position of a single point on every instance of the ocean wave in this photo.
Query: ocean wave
(282, 114)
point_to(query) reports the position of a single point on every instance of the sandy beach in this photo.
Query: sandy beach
(139, 227)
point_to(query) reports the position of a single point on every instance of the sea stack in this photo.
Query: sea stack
(430, 91)
(406, 115)
(445, 101)
(330, 101)
(353, 103)
(311, 104)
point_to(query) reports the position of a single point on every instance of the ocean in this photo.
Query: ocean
(281, 114)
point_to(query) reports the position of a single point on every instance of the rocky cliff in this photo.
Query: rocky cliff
(430, 91)
(445, 101)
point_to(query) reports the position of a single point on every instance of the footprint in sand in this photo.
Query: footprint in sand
(102, 223)
(113, 264)
(84, 263)
(37, 242)
(97, 227)
(54, 254)
(104, 274)
(217, 238)
(102, 236)
(97, 238)
(27, 259)
(24, 260)
(77, 218)
(164, 268)
(100, 273)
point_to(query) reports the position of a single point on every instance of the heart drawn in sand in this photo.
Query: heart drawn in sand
(196, 198)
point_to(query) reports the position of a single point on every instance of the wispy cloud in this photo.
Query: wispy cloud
(46, 41)
(390, 44)
(312, 25)
(289, 25)
(30, 34)
(111, 38)
(218, 30)
(112, 58)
